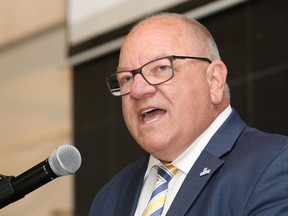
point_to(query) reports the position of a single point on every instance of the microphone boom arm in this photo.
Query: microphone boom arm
(24, 183)
(5, 186)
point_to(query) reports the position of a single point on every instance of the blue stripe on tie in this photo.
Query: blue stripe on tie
(156, 202)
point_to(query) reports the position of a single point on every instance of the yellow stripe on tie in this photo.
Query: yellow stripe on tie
(157, 200)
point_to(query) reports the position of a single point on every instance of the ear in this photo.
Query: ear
(216, 77)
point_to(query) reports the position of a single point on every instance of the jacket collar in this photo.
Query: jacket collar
(209, 161)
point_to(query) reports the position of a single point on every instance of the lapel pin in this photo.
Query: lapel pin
(205, 171)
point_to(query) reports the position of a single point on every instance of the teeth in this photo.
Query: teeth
(151, 115)
(145, 112)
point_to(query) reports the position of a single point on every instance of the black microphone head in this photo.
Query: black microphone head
(65, 160)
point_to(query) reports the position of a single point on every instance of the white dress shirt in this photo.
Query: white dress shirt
(184, 163)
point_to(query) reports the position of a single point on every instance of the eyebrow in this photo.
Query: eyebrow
(157, 57)
(121, 69)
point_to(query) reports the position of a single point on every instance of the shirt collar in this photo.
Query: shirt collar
(186, 160)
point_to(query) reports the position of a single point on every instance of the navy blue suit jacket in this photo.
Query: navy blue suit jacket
(248, 176)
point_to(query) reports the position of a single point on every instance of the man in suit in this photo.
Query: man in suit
(176, 105)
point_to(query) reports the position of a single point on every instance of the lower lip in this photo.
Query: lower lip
(151, 118)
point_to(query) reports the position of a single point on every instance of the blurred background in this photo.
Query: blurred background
(55, 54)
(35, 99)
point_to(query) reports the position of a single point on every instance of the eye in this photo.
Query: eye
(160, 66)
(163, 68)
(125, 79)
(160, 70)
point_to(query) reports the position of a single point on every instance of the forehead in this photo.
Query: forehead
(158, 29)
(157, 37)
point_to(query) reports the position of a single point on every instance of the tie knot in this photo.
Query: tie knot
(166, 172)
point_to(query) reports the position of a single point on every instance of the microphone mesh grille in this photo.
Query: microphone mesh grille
(65, 160)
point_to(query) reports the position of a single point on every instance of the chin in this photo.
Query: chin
(164, 157)
(154, 147)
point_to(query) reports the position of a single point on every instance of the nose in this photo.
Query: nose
(141, 87)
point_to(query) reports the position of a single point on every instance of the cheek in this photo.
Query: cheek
(128, 113)
(192, 99)
(126, 110)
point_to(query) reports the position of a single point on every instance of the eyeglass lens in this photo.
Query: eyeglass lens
(154, 72)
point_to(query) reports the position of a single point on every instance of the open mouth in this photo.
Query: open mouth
(151, 115)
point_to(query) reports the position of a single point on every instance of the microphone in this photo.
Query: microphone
(64, 160)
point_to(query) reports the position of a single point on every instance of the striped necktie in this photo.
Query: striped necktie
(156, 202)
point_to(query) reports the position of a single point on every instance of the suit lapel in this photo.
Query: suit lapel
(194, 183)
(130, 190)
(207, 164)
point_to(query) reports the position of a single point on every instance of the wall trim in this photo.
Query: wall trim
(114, 44)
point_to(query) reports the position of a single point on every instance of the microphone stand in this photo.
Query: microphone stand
(14, 188)
(6, 189)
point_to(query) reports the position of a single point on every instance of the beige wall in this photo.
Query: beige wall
(35, 99)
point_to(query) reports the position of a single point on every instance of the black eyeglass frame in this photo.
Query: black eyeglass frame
(139, 70)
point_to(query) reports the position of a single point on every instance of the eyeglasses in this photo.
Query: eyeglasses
(155, 72)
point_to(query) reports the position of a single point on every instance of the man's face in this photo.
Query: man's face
(165, 119)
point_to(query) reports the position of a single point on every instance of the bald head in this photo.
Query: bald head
(182, 25)
(198, 36)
